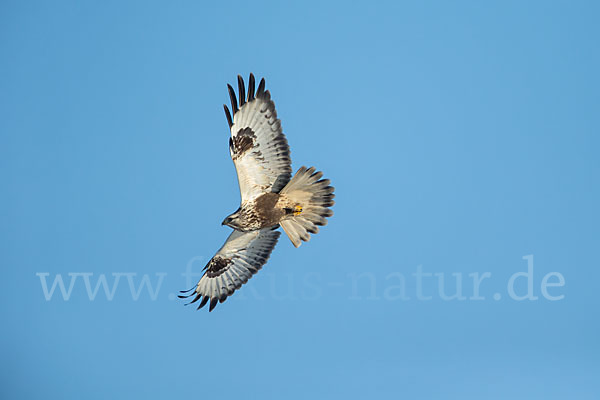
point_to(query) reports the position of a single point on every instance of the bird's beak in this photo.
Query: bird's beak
(225, 221)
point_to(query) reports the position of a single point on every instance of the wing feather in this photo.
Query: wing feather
(258, 147)
(242, 255)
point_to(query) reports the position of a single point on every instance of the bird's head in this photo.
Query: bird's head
(232, 220)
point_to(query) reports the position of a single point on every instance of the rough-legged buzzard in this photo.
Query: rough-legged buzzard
(271, 197)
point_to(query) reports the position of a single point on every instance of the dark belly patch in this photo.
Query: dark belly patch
(266, 212)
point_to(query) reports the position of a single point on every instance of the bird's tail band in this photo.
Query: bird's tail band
(310, 198)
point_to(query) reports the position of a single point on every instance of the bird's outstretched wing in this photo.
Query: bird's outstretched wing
(257, 145)
(242, 255)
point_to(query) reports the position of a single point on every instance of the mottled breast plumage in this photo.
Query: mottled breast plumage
(263, 212)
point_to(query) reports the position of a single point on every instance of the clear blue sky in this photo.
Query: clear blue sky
(461, 137)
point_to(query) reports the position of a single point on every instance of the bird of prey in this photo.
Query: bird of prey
(270, 196)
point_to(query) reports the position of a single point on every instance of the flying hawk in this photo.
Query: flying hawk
(271, 197)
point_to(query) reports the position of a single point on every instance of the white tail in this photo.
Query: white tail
(311, 197)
